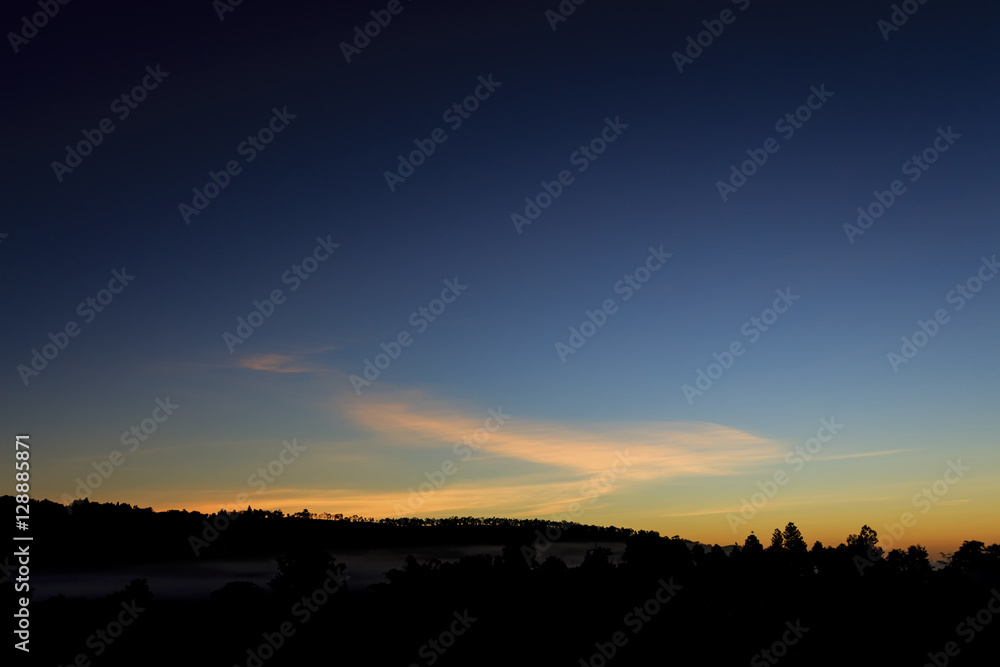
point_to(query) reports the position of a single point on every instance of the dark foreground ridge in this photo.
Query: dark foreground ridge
(659, 601)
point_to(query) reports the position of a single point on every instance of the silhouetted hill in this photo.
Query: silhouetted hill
(129, 534)
(660, 600)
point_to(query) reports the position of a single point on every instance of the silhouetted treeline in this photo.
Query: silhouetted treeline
(130, 534)
(659, 601)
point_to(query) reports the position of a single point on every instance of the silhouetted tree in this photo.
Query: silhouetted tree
(793, 540)
(865, 543)
(137, 590)
(752, 545)
(553, 567)
(598, 559)
(303, 571)
(645, 551)
(970, 555)
(912, 562)
(777, 540)
(514, 559)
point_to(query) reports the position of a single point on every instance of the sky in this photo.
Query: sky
(699, 268)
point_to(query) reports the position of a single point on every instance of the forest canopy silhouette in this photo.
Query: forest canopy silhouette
(632, 596)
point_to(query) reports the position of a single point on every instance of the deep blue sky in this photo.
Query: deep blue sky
(495, 346)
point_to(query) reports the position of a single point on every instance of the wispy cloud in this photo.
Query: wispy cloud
(860, 455)
(542, 465)
(659, 449)
(294, 362)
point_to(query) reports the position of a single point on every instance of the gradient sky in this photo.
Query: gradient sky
(494, 348)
